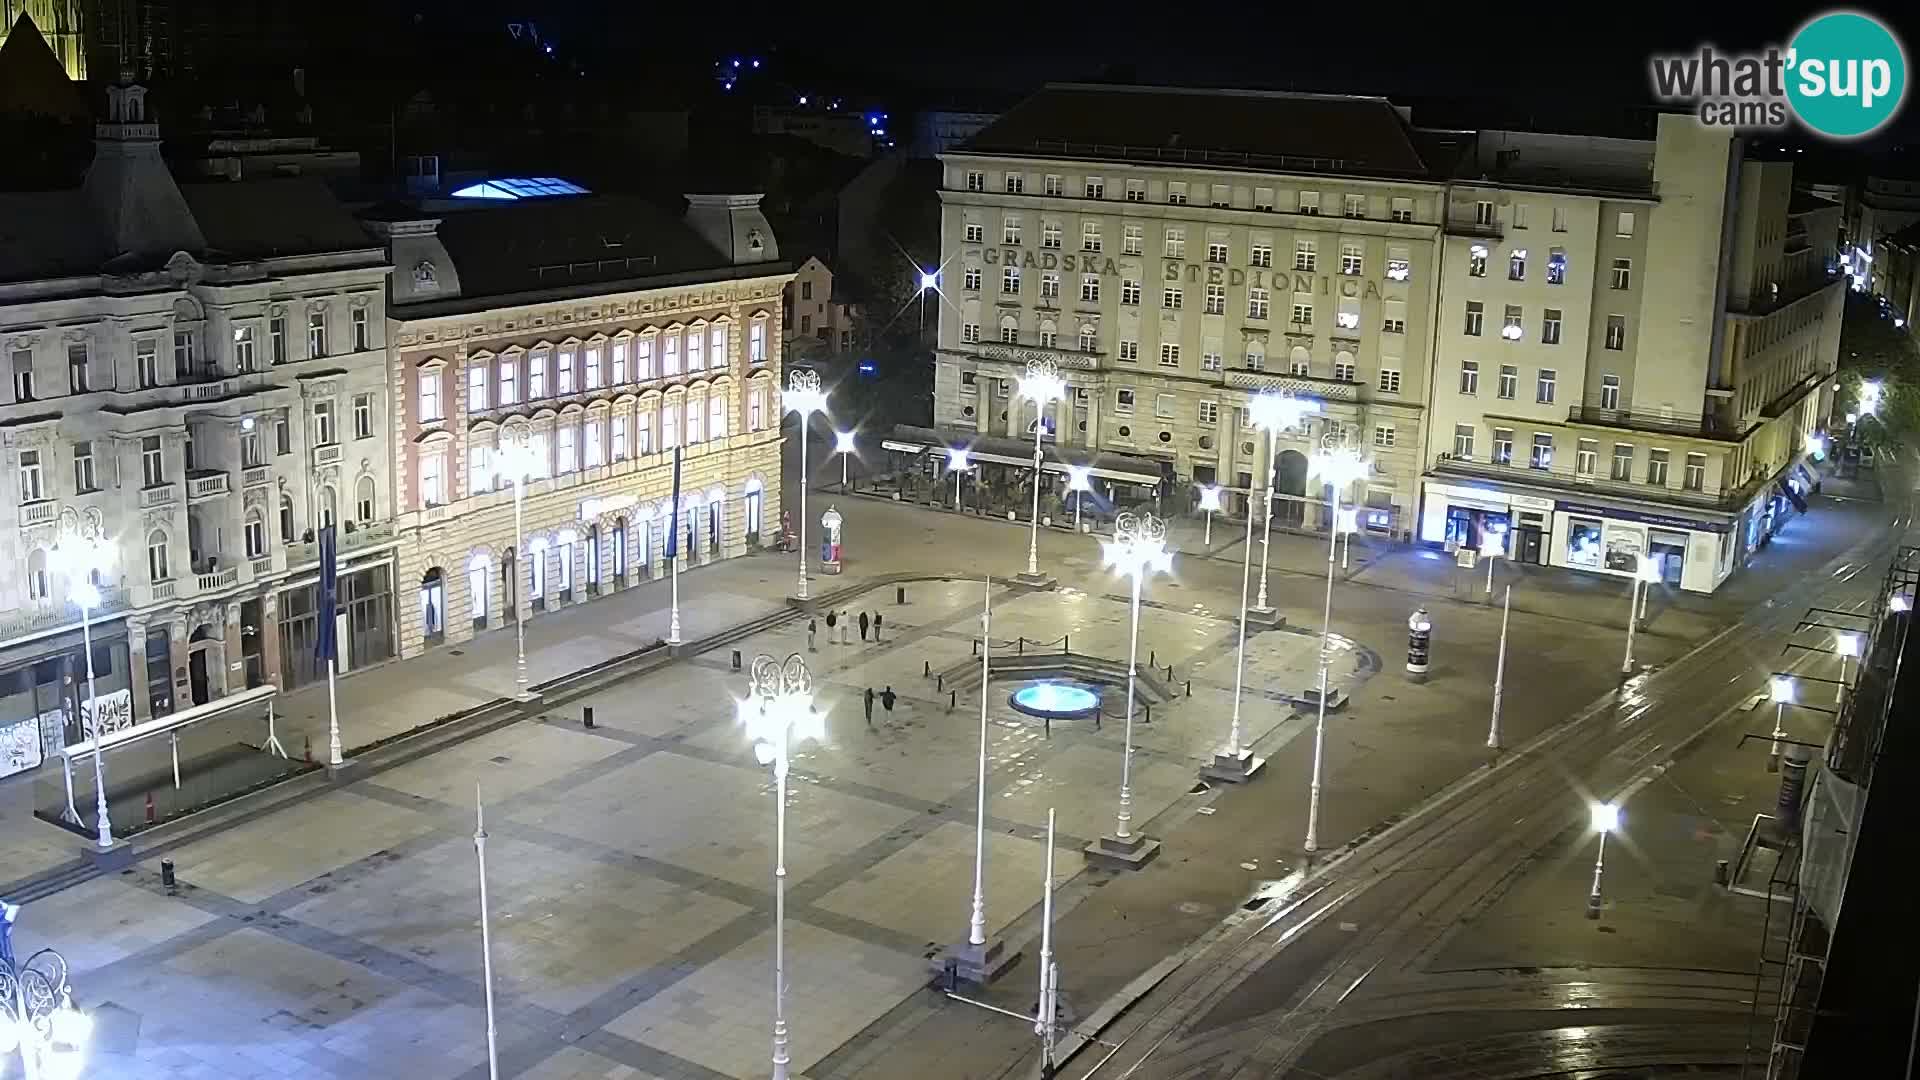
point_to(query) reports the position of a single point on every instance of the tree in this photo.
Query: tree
(1872, 348)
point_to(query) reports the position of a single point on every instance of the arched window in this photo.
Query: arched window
(363, 501)
(329, 506)
(1300, 361)
(619, 550)
(753, 504)
(256, 534)
(433, 606)
(39, 587)
(286, 518)
(479, 588)
(593, 558)
(158, 568)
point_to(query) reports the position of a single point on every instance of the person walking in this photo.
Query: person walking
(864, 622)
(887, 698)
(813, 627)
(876, 625)
(869, 707)
(833, 620)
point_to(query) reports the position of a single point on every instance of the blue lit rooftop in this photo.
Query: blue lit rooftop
(519, 187)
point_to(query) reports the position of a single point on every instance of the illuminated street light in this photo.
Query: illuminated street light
(1338, 464)
(1042, 385)
(1848, 646)
(1209, 502)
(1079, 482)
(957, 465)
(1780, 692)
(519, 462)
(1645, 575)
(843, 445)
(778, 712)
(1236, 763)
(1500, 672)
(1606, 819)
(82, 557)
(929, 280)
(805, 397)
(1273, 413)
(1347, 522)
(1898, 603)
(1138, 548)
(37, 1015)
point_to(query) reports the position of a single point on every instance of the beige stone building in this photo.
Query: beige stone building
(603, 333)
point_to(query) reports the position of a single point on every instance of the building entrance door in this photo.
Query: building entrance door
(1529, 546)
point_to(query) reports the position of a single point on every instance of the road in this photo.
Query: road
(1335, 975)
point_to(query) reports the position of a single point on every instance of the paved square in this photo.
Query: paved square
(103, 921)
(505, 762)
(925, 890)
(259, 858)
(574, 1063)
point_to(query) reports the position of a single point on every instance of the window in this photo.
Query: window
(1216, 299)
(1477, 261)
(1483, 213)
(1310, 202)
(1133, 240)
(1542, 456)
(1502, 446)
(509, 382)
(1585, 456)
(1509, 381)
(1511, 328)
(1623, 223)
(1176, 244)
(1016, 183)
(1123, 401)
(1393, 326)
(1257, 302)
(1136, 191)
(77, 369)
(1557, 267)
(1657, 467)
(1176, 193)
(1350, 258)
(1517, 265)
(1210, 360)
(1559, 219)
(1217, 251)
(1476, 315)
(1089, 340)
(1010, 281)
(1383, 435)
(976, 233)
(1622, 461)
(670, 430)
(153, 463)
(1544, 387)
(970, 333)
(717, 347)
(1519, 215)
(976, 180)
(970, 281)
(1096, 187)
(157, 563)
(1550, 327)
(1354, 206)
(256, 535)
(83, 478)
(1616, 332)
(363, 416)
(316, 333)
(1050, 234)
(593, 367)
(1010, 332)
(1305, 256)
(146, 363)
(362, 340)
(1389, 380)
(430, 395)
(1256, 357)
(1622, 273)
(1089, 288)
(757, 342)
(569, 457)
(1344, 371)
(1260, 255)
(243, 348)
(1402, 210)
(1163, 406)
(619, 437)
(1052, 185)
(1049, 286)
(716, 415)
(1129, 351)
(1469, 376)
(696, 357)
(806, 290)
(1049, 337)
(1209, 413)
(282, 434)
(1169, 355)
(323, 433)
(1463, 441)
(1090, 236)
(476, 388)
(1263, 199)
(1129, 292)
(1010, 230)
(277, 339)
(618, 358)
(1222, 196)
(1302, 313)
(1696, 476)
(32, 488)
(1610, 391)
(183, 353)
(1299, 363)
(363, 499)
(479, 468)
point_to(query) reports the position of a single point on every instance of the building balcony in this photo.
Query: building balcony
(160, 591)
(38, 513)
(158, 495)
(1018, 355)
(327, 455)
(346, 540)
(1470, 227)
(16, 624)
(215, 580)
(204, 484)
(1663, 422)
(258, 476)
(1297, 385)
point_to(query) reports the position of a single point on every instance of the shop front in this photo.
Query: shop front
(1481, 517)
(42, 695)
(1694, 554)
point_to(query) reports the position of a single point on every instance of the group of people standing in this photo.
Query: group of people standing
(840, 628)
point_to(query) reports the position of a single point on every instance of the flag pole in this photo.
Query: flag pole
(673, 554)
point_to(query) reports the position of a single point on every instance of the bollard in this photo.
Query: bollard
(1722, 874)
(586, 715)
(309, 754)
(899, 594)
(976, 646)
(1169, 672)
(166, 873)
(1066, 643)
(1153, 659)
(1020, 645)
(940, 681)
(150, 813)
(1189, 687)
(1793, 787)
(1149, 718)
(953, 699)
(736, 659)
(926, 668)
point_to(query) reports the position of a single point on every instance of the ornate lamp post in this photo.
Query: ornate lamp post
(1606, 819)
(1138, 548)
(1235, 763)
(1273, 413)
(1043, 385)
(1079, 482)
(1339, 464)
(1209, 502)
(519, 462)
(777, 713)
(37, 1016)
(957, 465)
(805, 397)
(80, 556)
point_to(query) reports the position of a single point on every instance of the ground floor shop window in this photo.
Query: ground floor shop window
(1583, 543)
(1624, 546)
(479, 585)
(365, 602)
(433, 606)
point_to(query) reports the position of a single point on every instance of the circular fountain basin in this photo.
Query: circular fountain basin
(1056, 701)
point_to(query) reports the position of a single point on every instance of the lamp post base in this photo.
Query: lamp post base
(1265, 618)
(339, 773)
(1113, 853)
(1035, 582)
(1233, 768)
(806, 605)
(1593, 905)
(980, 965)
(117, 857)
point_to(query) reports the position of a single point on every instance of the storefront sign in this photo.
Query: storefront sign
(1528, 502)
(1642, 516)
(1173, 271)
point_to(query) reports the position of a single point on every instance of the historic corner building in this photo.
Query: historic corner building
(196, 374)
(1176, 252)
(1635, 346)
(601, 333)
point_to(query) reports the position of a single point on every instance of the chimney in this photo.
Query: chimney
(733, 226)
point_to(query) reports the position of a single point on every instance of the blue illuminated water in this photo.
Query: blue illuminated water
(1055, 699)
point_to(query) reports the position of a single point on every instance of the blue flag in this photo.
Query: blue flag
(325, 645)
(673, 527)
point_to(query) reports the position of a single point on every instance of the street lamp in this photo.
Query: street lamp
(805, 397)
(956, 464)
(1848, 646)
(1042, 384)
(80, 557)
(518, 463)
(1209, 502)
(1273, 413)
(1338, 464)
(1235, 763)
(777, 712)
(486, 931)
(1079, 482)
(1138, 548)
(37, 1016)
(1500, 671)
(843, 445)
(1347, 521)
(1645, 575)
(1493, 545)
(1780, 691)
(929, 280)
(1898, 603)
(1606, 819)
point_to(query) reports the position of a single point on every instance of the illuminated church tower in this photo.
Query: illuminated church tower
(59, 22)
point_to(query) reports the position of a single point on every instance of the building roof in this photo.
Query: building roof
(1220, 128)
(1806, 202)
(259, 219)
